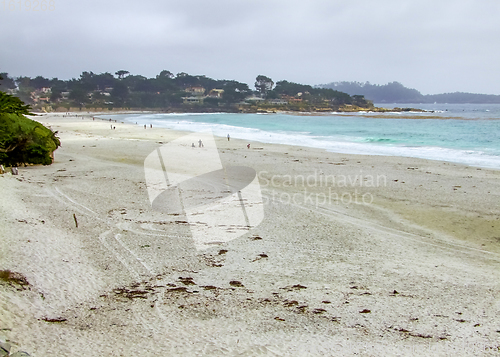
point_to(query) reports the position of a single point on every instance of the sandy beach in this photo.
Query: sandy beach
(355, 255)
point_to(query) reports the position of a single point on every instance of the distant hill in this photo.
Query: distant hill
(395, 92)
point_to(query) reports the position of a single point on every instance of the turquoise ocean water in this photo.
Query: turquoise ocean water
(467, 134)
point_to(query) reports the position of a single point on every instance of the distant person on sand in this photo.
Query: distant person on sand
(200, 143)
(228, 137)
(192, 145)
(248, 146)
(151, 126)
(144, 126)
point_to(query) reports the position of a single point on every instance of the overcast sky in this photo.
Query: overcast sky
(434, 46)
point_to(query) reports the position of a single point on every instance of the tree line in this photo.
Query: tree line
(168, 91)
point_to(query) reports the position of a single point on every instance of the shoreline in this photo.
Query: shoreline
(413, 270)
(247, 109)
(380, 150)
(270, 110)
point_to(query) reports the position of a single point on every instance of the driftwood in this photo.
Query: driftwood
(76, 222)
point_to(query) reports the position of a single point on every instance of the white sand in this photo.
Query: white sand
(432, 234)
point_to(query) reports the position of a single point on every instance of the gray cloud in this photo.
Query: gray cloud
(432, 46)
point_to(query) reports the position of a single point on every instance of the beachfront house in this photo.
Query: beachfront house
(278, 102)
(216, 93)
(193, 100)
(195, 90)
(254, 99)
(40, 96)
(291, 99)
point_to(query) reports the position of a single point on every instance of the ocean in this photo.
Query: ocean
(461, 133)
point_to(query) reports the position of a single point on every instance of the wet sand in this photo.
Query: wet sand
(355, 254)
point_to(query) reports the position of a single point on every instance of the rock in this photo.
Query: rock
(236, 283)
(4, 349)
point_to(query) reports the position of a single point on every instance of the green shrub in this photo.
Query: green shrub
(25, 141)
(22, 140)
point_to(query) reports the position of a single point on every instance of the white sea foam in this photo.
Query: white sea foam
(340, 144)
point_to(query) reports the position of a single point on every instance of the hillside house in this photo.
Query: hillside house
(195, 90)
(254, 99)
(216, 93)
(278, 102)
(192, 100)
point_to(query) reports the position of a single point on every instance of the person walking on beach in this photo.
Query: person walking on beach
(228, 137)
(200, 143)
(248, 146)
